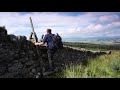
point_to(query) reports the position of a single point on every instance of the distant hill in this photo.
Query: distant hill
(117, 39)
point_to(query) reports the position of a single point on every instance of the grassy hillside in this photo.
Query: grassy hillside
(106, 66)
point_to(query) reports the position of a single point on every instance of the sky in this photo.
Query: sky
(66, 24)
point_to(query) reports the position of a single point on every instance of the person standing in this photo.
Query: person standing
(48, 38)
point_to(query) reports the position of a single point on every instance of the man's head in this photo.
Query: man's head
(48, 31)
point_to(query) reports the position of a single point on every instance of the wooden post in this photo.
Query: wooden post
(37, 49)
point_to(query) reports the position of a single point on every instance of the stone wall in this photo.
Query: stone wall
(70, 55)
(22, 62)
(18, 62)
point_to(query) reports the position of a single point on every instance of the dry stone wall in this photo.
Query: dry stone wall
(19, 60)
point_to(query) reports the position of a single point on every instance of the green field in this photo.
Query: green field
(93, 46)
(105, 66)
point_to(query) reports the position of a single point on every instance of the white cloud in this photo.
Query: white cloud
(117, 24)
(15, 22)
(67, 26)
(109, 18)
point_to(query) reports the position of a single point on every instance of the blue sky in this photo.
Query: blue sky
(67, 24)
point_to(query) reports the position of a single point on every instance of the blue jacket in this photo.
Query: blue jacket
(48, 39)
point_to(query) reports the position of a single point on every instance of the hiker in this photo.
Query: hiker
(48, 38)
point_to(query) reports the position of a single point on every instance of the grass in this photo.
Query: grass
(106, 66)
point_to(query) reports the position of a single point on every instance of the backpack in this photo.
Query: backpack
(57, 41)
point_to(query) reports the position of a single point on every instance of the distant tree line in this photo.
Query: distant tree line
(96, 46)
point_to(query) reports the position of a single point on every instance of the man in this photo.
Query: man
(51, 48)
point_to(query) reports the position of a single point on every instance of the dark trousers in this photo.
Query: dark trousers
(50, 58)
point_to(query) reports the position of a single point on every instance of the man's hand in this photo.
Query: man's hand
(40, 44)
(37, 43)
